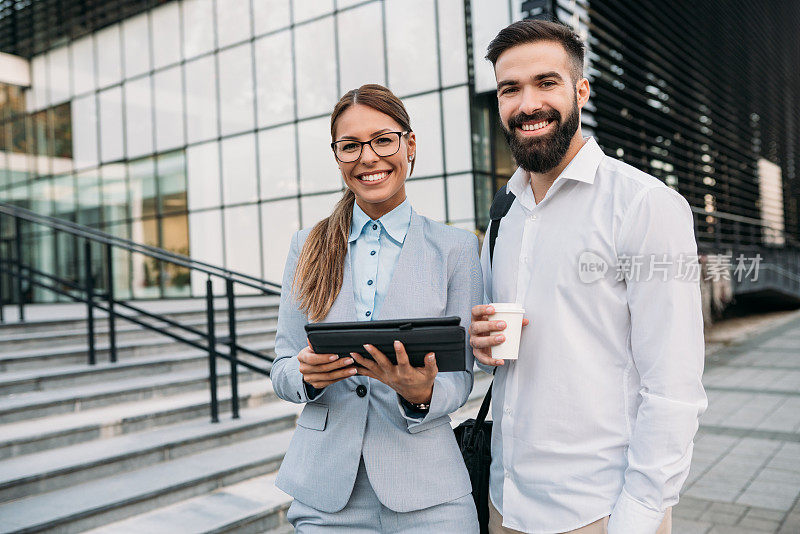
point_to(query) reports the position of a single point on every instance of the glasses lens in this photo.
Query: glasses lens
(348, 151)
(387, 144)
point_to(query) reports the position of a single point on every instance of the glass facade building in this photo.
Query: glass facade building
(202, 126)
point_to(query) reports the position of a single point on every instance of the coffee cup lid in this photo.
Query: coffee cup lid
(507, 307)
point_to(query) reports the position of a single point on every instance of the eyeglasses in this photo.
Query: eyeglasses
(384, 145)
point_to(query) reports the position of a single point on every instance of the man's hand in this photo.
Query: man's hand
(320, 370)
(414, 384)
(485, 334)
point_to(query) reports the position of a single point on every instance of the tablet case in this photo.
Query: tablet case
(441, 335)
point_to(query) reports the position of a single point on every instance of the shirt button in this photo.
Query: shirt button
(508, 411)
(361, 390)
(372, 253)
(368, 313)
(369, 282)
(534, 217)
(508, 475)
(374, 226)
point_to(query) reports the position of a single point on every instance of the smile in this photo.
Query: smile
(535, 128)
(374, 177)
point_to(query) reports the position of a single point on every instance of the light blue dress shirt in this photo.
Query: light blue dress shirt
(374, 250)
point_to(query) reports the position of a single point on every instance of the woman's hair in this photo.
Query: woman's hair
(320, 267)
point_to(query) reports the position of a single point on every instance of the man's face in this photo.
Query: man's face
(539, 103)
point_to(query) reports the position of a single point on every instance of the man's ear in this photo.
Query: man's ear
(582, 91)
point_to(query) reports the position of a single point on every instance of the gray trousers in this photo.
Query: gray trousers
(364, 514)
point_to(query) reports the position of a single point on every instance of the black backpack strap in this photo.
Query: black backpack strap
(502, 202)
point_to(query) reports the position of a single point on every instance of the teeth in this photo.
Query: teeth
(374, 177)
(531, 127)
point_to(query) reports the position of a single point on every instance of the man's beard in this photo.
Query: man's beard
(542, 154)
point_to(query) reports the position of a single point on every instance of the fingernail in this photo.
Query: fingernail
(501, 324)
(334, 357)
(353, 354)
(500, 339)
(352, 371)
(349, 361)
(490, 310)
(366, 346)
(396, 343)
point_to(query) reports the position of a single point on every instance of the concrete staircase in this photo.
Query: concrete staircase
(129, 447)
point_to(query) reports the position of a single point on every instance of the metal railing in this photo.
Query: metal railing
(12, 264)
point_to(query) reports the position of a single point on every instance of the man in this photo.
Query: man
(594, 423)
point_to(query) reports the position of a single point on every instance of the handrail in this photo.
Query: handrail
(132, 246)
(84, 291)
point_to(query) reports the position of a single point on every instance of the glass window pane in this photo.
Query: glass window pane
(39, 137)
(201, 100)
(280, 220)
(233, 21)
(42, 196)
(171, 169)
(361, 47)
(145, 270)
(425, 120)
(84, 131)
(175, 235)
(427, 197)
(166, 35)
(137, 45)
(109, 56)
(205, 244)
(317, 207)
(239, 180)
(411, 46)
(309, 9)
(277, 151)
(36, 97)
(142, 187)
(168, 93)
(198, 27)
(458, 146)
(61, 119)
(138, 117)
(236, 89)
(122, 261)
(461, 200)
(115, 192)
(111, 144)
(316, 68)
(202, 169)
(270, 15)
(89, 199)
(64, 197)
(452, 42)
(83, 65)
(242, 249)
(318, 170)
(59, 78)
(274, 79)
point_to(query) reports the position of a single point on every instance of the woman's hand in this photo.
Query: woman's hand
(320, 370)
(414, 384)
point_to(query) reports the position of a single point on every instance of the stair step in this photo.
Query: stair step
(102, 501)
(31, 436)
(255, 505)
(75, 354)
(125, 331)
(43, 403)
(45, 471)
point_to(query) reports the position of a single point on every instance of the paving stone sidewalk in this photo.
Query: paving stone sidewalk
(745, 475)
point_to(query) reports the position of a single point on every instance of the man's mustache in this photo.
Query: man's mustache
(546, 114)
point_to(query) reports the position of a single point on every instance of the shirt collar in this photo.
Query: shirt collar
(396, 222)
(582, 168)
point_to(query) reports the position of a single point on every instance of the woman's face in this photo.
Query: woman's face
(377, 182)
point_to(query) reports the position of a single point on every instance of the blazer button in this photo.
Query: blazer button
(361, 390)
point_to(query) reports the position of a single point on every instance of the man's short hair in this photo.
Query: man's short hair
(534, 31)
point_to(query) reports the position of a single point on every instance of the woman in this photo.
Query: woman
(373, 450)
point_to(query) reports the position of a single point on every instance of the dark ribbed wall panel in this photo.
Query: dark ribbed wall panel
(29, 27)
(695, 93)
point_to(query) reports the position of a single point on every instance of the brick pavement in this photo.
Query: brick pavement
(745, 475)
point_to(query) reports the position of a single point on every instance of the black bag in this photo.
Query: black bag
(474, 436)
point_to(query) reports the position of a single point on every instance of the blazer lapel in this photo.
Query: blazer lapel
(412, 255)
(344, 307)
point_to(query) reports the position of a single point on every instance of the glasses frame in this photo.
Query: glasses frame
(362, 143)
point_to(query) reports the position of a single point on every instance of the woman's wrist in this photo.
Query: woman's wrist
(420, 396)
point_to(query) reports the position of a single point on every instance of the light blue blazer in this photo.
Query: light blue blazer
(411, 463)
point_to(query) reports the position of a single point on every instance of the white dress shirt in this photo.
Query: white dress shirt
(599, 413)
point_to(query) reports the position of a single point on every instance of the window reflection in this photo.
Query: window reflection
(175, 238)
(143, 198)
(172, 182)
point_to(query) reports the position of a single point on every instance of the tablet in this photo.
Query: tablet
(441, 335)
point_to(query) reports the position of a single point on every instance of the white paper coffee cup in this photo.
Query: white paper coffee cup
(511, 313)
